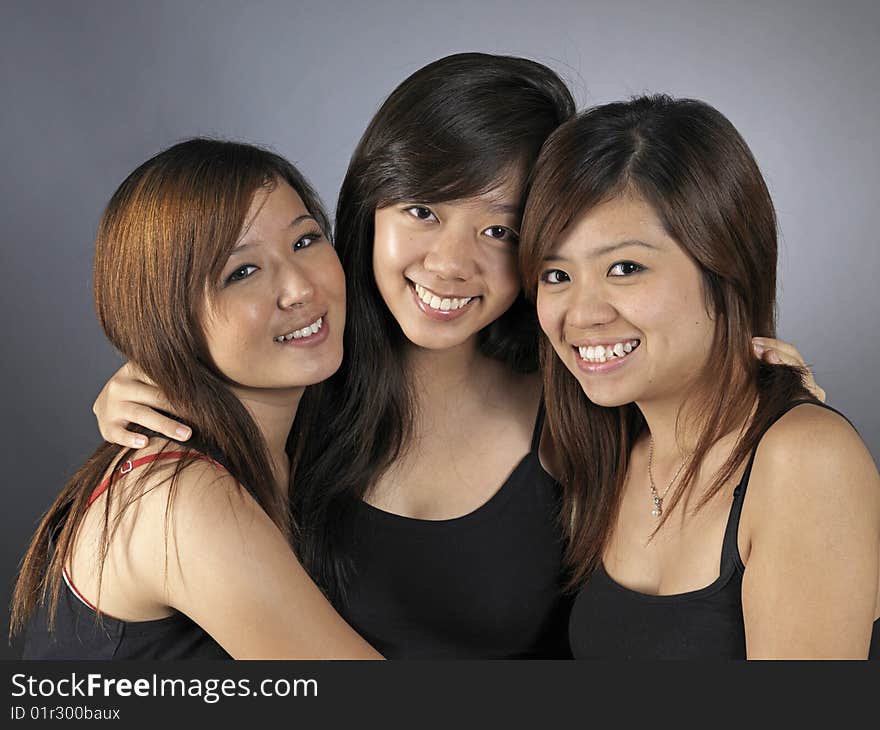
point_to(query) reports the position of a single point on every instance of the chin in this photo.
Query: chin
(434, 340)
(606, 401)
(318, 374)
(303, 376)
(607, 397)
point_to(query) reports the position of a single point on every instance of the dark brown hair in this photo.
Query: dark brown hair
(454, 129)
(161, 246)
(687, 161)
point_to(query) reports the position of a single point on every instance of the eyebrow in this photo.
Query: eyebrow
(295, 222)
(505, 209)
(608, 249)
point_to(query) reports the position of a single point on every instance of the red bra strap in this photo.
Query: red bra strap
(129, 465)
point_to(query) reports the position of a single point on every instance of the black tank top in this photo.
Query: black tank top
(609, 621)
(485, 585)
(79, 635)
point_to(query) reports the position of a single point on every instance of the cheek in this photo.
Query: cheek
(501, 266)
(551, 313)
(329, 277)
(333, 287)
(693, 311)
(678, 314)
(229, 321)
(392, 250)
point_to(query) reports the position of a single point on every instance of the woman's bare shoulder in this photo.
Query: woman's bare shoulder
(812, 465)
(811, 436)
(164, 494)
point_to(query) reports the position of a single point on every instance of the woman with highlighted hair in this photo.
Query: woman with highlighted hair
(215, 275)
(713, 507)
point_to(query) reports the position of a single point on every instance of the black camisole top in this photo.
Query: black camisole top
(482, 586)
(78, 634)
(609, 621)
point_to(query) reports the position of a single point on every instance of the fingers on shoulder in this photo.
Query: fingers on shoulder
(789, 352)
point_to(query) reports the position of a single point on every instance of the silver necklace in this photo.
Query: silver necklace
(658, 498)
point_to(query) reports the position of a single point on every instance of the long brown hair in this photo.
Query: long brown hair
(690, 164)
(454, 129)
(161, 246)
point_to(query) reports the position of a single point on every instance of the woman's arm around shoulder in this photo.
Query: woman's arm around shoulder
(811, 521)
(230, 569)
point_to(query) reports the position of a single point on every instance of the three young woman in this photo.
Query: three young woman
(420, 503)
(716, 509)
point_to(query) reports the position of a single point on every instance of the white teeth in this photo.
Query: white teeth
(304, 332)
(600, 353)
(435, 302)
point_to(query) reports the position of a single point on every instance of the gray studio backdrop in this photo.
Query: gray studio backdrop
(88, 90)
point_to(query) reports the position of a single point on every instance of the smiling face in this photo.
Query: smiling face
(447, 270)
(624, 307)
(276, 319)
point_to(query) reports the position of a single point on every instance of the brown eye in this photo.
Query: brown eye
(420, 212)
(625, 268)
(555, 276)
(502, 233)
(242, 272)
(306, 241)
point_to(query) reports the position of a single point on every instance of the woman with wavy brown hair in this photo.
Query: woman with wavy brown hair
(215, 275)
(713, 507)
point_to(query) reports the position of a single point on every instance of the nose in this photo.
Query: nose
(295, 287)
(588, 307)
(451, 257)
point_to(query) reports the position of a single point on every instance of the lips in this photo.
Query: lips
(607, 351)
(605, 358)
(309, 333)
(441, 302)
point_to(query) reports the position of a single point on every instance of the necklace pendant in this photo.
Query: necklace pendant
(658, 507)
(655, 495)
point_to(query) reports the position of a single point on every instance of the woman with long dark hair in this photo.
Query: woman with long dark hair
(421, 503)
(215, 275)
(713, 507)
